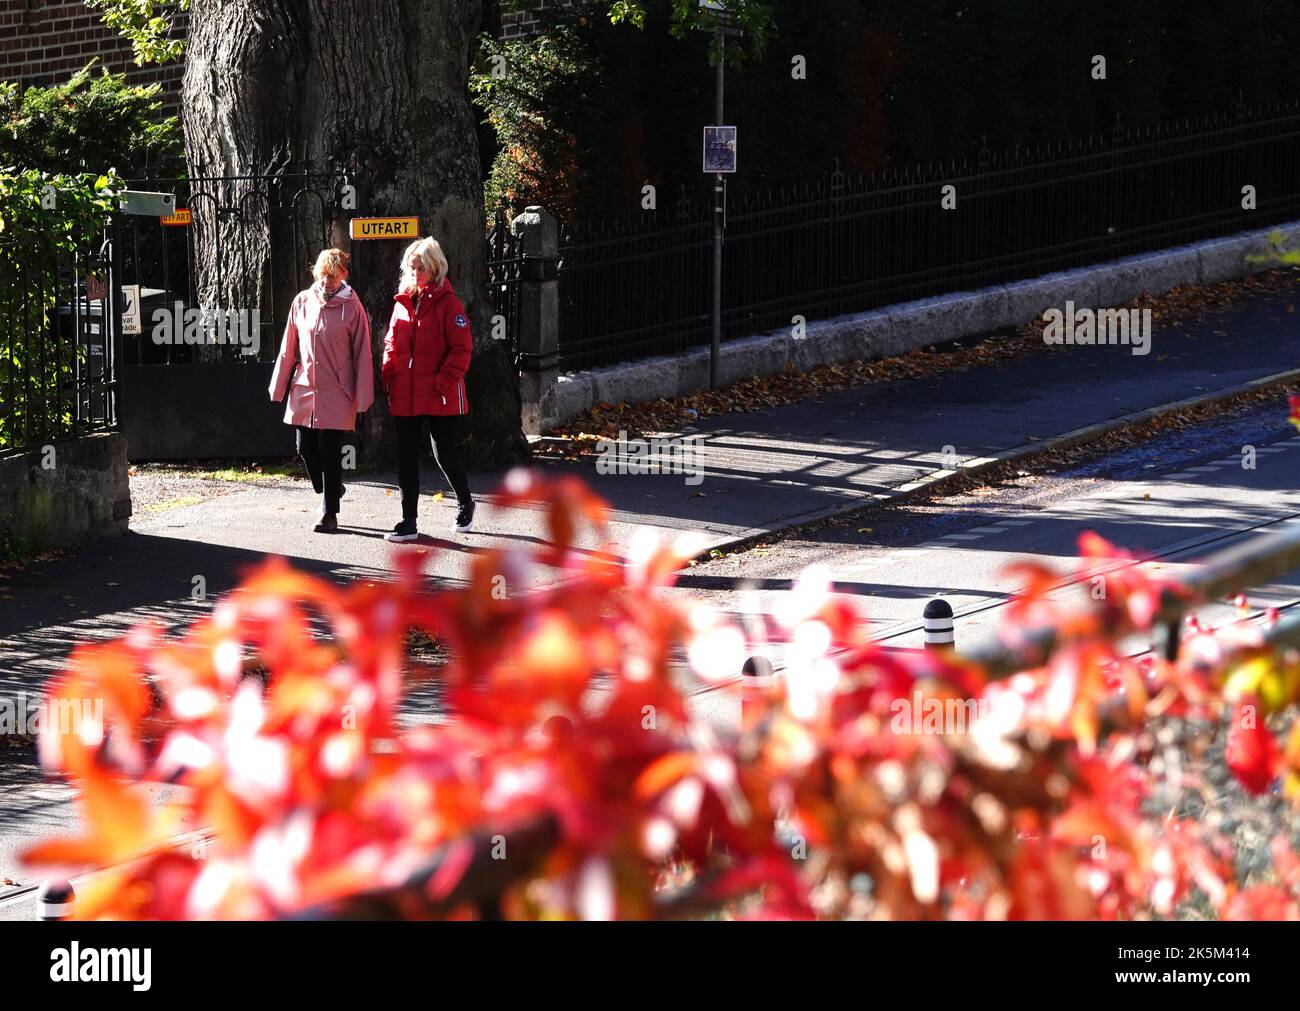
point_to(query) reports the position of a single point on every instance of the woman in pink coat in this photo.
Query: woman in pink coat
(324, 363)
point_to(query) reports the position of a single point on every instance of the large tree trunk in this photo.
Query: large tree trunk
(378, 87)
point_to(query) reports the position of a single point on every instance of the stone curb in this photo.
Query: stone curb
(894, 330)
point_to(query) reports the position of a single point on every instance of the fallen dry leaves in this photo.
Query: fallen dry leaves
(1180, 306)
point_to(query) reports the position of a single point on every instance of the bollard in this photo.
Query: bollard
(54, 899)
(758, 676)
(938, 624)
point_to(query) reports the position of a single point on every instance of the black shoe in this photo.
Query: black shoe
(327, 524)
(404, 531)
(465, 517)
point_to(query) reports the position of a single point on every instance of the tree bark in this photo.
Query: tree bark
(377, 87)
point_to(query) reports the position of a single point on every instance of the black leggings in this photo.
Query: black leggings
(444, 435)
(321, 450)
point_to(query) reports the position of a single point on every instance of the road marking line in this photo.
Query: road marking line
(1015, 523)
(996, 529)
(963, 537)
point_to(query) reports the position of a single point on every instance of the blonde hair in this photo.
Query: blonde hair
(430, 254)
(334, 260)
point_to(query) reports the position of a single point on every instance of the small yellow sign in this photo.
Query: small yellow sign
(385, 228)
(180, 218)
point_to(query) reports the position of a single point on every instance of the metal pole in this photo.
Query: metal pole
(1255, 562)
(718, 210)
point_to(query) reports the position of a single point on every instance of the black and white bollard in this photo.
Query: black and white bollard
(938, 624)
(54, 899)
(758, 676)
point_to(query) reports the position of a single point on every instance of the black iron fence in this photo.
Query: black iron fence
(843, 243)
(57, 367)
(634, 288)
(243, 246)
(505, 270)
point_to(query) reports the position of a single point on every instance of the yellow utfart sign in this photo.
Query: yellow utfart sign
(385, 228)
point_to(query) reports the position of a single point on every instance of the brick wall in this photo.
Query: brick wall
(522, 24)
(45, 42)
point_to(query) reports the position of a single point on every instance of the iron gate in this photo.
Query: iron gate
(57, 364)
(204, 297)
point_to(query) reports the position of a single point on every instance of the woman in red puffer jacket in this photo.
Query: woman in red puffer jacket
(426, 354)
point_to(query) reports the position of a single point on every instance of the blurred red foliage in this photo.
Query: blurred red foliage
(573, 780)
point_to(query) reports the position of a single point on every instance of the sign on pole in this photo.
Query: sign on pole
(148, 205)
(179, 219)
(719, 149)
(385, 228)
(131, 310)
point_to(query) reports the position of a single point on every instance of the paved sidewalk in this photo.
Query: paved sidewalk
(763, 470)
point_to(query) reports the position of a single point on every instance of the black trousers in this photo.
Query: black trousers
(444, 435)
(321, 450)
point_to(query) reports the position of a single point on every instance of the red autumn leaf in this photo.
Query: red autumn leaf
(120, 827)
(1252, 753)
(1262, 902)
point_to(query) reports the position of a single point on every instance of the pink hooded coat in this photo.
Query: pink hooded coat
(329, 342)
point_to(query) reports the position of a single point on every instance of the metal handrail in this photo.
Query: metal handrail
(1232, 570)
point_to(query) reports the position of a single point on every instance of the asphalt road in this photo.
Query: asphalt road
(1175, 499)
(1178, 497)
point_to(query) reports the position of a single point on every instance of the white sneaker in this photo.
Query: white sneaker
(404, 531)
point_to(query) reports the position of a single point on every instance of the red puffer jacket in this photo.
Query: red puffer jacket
(426, 355)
